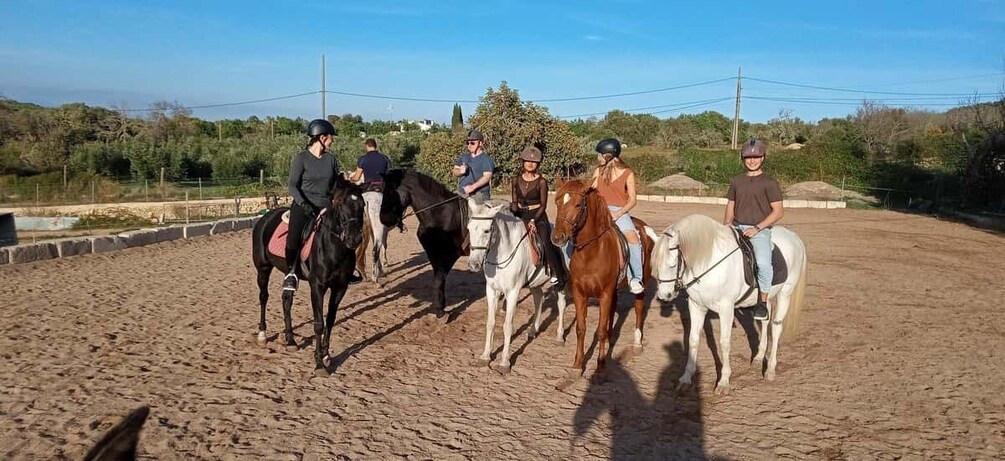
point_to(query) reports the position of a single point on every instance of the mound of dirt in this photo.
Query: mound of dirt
(678, 181)
(819, 190)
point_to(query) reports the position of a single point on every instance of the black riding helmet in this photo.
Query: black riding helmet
(320, 126)
(609, 146)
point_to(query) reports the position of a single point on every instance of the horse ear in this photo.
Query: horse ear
(558, 181)
(121, 440)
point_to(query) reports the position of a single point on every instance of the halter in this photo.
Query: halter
(491, 233)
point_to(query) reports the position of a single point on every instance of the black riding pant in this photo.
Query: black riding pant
(299, 220)
(552, 254)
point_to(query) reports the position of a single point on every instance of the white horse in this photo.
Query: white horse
(700, 255)
(378, 236)
(500, 249)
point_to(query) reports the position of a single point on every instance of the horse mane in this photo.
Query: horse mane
(425, 182)
(697, 234)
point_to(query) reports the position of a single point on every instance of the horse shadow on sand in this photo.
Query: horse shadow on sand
(667, 426)
(412, 279)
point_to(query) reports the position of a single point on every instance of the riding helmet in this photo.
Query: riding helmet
(475, 135)
(753, 148)
(531, 154)
(609, 146)
(320, 126)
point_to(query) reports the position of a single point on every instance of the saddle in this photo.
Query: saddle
(537, 248)
(374, 186)
(277, 244)
(780, 270)
(623, 266)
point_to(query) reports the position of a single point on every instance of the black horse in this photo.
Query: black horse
(330, 264)
(442, 222)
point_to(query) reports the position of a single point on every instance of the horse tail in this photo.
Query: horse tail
(791, 322)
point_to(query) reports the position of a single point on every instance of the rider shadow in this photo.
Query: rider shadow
(744, 317)
(669, 426)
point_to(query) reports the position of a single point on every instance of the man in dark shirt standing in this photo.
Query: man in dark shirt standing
(371, 168)
(754, 205)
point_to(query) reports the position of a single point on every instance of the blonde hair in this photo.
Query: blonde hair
(607, 169)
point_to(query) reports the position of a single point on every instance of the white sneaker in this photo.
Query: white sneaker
(635, 286)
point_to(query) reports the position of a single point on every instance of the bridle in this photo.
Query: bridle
(680, 269)
(341, 223)
(576, 224)
(492, 229)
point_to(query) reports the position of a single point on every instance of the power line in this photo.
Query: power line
(576, 98)
(228, 104)
(935, 80)
(840, 103)
(618, 95)
(675, 105)
(847, 90)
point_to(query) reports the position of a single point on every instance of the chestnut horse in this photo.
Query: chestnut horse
(598, 261)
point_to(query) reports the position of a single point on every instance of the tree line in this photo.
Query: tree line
(961, 149)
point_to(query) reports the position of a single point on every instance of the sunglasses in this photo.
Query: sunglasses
(471, 143)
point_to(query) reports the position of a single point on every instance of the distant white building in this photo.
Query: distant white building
(424, 125)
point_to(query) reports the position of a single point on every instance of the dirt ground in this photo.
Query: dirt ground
(898, 357)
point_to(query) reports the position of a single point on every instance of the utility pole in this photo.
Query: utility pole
(324, 107)
(736, 115)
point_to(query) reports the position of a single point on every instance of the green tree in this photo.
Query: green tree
(510, 125)
(457, 119)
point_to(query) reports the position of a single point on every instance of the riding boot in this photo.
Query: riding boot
(760, 309)
(291, 281)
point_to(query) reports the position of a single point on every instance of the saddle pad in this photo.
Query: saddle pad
(780, 269)
(277, 244)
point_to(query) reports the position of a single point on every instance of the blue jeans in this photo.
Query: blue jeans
(634, 249)
(762, 254)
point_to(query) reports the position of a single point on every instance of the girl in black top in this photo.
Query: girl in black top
(529, 201)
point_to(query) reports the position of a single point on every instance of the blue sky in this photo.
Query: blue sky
(129, 54)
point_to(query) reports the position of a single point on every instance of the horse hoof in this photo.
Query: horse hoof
(722, 390)
(683, 387)
(292, 347)
(327, 360)
(574, 373)
(503, 370)
(482, 362)
(261, 337)
(769, 375)
(560, 341)
(321, 373)
(531, 335)
(756, 363)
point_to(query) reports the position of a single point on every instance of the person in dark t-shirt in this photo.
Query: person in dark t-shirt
(754, 205)
(371, 167)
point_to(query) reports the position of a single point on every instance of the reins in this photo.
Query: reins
(512, 255)
(414, 212)
(681, 263)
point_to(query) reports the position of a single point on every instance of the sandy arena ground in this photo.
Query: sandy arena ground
(898, 357)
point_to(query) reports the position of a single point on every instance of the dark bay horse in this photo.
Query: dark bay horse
(583, 217)
(328, 267)
(442, 222)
